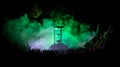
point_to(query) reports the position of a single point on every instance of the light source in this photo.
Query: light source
(58, 38)
(58, 34)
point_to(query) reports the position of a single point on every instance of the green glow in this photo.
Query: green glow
(32, 33)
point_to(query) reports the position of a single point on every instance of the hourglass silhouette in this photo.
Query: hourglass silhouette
(58, 45)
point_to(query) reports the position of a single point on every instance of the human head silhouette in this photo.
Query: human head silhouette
(59, 42)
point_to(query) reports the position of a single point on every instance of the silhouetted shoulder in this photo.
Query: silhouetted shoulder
(58, 47)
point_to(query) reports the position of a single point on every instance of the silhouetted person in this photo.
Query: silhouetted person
(58, 46)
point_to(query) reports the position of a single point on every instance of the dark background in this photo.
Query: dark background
(103, 12)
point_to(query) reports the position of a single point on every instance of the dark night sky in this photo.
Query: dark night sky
(88, 11)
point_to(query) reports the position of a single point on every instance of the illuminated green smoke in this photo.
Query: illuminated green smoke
(27, 33)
